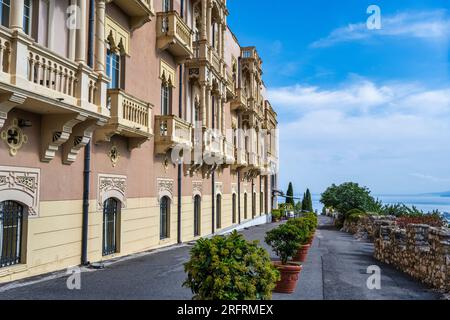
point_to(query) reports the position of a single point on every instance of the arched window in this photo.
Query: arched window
(110, 226)
(234, 208)
(165, 218)
(245, 207)
(197, 215)
(219, 212)
(11, 226)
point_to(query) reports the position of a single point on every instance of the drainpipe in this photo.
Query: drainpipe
(213, 175)
(87, 150)
(180, 164)
(239, 195)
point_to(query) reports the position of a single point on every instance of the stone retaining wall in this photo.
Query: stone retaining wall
(418, 250)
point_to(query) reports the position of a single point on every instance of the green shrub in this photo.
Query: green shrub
(285, 241)
(312, 217)
(354, 215)
(276, 214)
(230, 268)
(304, 228)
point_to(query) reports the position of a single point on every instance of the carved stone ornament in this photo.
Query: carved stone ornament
(219, 188)
(114, 156)
(165, 188)
(21, 185)
(197, 188)
(14, 138)
(111, 186)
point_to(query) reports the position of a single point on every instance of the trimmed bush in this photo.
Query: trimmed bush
(284, 241)
(354, 215)
(230, 268)
(276, 214)
(304, 228)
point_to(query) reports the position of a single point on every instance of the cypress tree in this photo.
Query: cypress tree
(290, 195)
(309, 204)
(304, 203)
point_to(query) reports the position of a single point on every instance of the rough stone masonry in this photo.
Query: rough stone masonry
(418, 250)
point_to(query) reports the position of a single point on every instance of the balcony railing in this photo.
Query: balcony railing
(241, 159)
(213, 143)
(174, 35)
(229, 156)
(204, 52)
(40, 72)
(171, 131)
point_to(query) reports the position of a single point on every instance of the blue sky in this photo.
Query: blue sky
(370, 106)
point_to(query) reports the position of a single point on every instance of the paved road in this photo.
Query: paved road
(336, 269)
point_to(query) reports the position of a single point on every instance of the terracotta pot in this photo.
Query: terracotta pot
(302, 253)
(289, 277)
(311, 240)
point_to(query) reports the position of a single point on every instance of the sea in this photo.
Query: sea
(426, 203)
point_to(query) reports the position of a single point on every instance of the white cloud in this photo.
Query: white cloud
(429, 177)
(374, 133)
(424, 25)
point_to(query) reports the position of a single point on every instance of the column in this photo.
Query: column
(100, 37)
(204, 20)
(222, 104)
(16, 23)
(208, 107)
(208, 24)
(222, 47)
(80, 55)
(203, 104)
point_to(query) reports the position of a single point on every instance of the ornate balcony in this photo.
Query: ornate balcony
(230, 87)
(171, 131)
(213, 144)
(241, 159)
(140, 11)
(130, 117)
(174, 35)
(229, 154)
(70, 97)
(240, 101)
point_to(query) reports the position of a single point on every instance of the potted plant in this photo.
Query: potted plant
(303, 229)
(312, 222)
(230, 268)
(284, 241)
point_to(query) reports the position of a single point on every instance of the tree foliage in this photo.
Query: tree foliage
(347, 196)
(230, 268)
(290, 195)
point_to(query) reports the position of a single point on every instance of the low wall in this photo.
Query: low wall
(367, 226)
(419, 250)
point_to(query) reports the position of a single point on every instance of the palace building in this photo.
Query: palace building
(110, 114)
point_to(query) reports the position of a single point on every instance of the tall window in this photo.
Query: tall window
(113, 66)
(11, 222)
(110, 226)
(219, 212)
(197, 213)
(254, 205)
(245, 207)
(261, 203)
(165, 218)
(27, 12)
(166, 5)
(5, 8)
(234, 208)
(166, 99)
